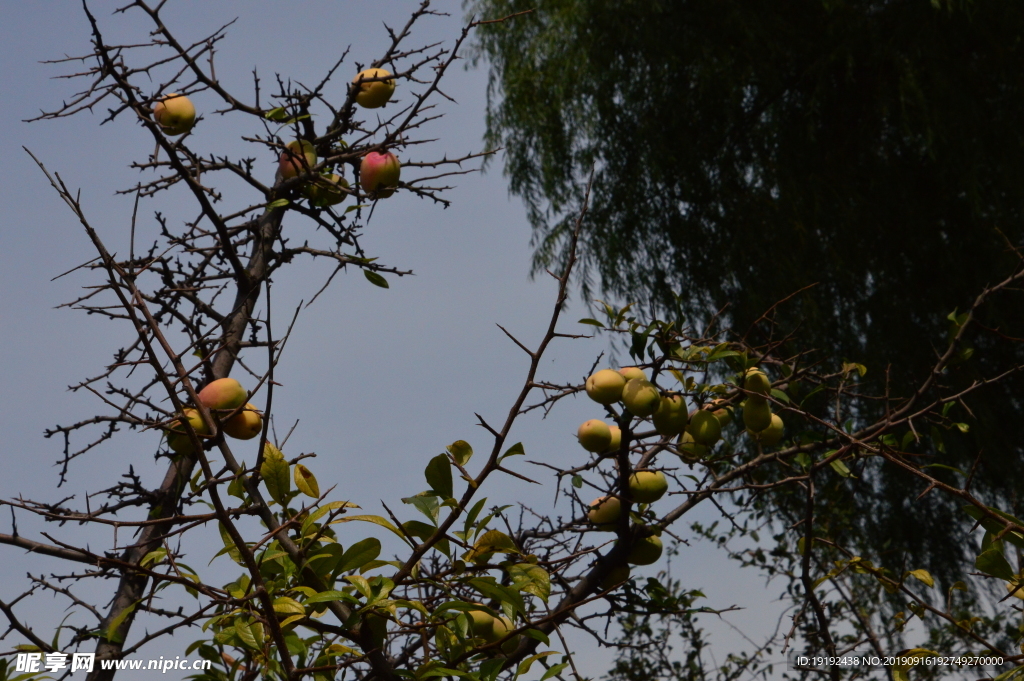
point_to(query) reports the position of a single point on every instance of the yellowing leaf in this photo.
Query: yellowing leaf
(306, 481)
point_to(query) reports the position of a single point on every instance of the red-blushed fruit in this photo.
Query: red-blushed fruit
(641, 397)
(594, 435)
(629, 373)
(245, 425)
(616, 443)
(298, 158)
(757, 382)
(646, 487)
(671, 417)
(375, 94)
(615, 578)
(178, 440)
(605, 386)
(224, 393)
(705, 428)
(604, 512)
(772, 435)
(175, 114)
(757, 413)
(326, 190)
(646, 551)
(379, 174)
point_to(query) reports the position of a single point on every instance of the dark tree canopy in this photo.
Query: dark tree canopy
(746, 150)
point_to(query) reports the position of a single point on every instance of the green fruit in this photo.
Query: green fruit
(629, 373)
(224, 393)
(640, 397)
(616, 577)
(616, 443)
(757, 414)
(501, 627)
(757, 382)
(482, 624)
(327, 190)
(690, 448)
(671, 417)
(772, 435)
(178, 440)
(705, 428)
(604, 512)
(647, 486)
(605, 386)
(646, 551)
(723, 415)
(595, 436)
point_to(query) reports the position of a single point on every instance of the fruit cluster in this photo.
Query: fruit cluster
(379, 172)
(225, 396)
(762, 425)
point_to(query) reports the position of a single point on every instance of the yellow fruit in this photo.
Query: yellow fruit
(616, 577)
(326, 190)
(224, 393)
(178, 440)
(616, 443)
(245, 425)
(298, 158)
(595, 435)
(772, 435)
(690, 448)
(604, 512)
(647, 486)
(375, 94)
(671, 417)
(629, 373)
(605, 386)
(757, 382)
(705, 427)
(175, 114)
(757, 413)
(640, 397)
(646, 551)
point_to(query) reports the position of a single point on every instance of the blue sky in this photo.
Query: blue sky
(379, 381)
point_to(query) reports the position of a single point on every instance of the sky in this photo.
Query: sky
(378, 380)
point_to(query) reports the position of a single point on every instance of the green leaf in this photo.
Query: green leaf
(376, 279)
(420, 530)
(359, 554)
(229, 544)
(112, 634)
(439, 476)
(460, 451)
(577, 481)
(278, 114)
(327, 508)
(426, 503)
(328, 596)
(780, 396)
(993, 563)
(288, 606)
(492, 541)
(592, 322)
(236, 487)
(280, 203)
(361, 585)
(375, 519)
(532, 579)
(994, 526)
(306, 481)
(246, 634)
(554, 671)
(514, 450)
(490, 589)
(275, 474)
(839, 467)
(538, 635)
(922, 576)
(525, 665)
